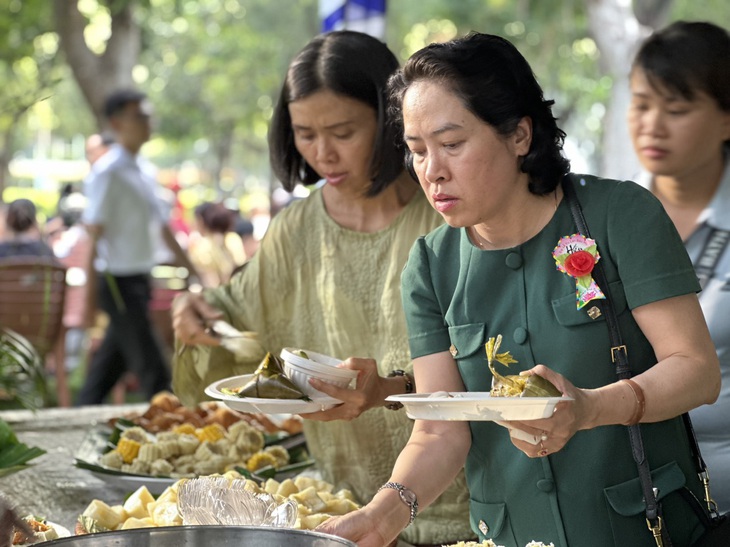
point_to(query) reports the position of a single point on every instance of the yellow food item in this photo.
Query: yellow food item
(260, 460)
(310, 522)
(280, 454)
(132, 523)
(346, 494)
(339, 506)
(309, 499)
(165, 513)
(149, 452)
(210, 433)
(305, 482)
(185, 428)
(103, 514)
(135, 433)
(287, 488)
(168, 495)
(112, 459)
(314, 498)
(128, 449)
(136, 504)
(121, 513)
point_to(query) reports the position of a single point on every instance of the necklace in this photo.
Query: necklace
(477, 239)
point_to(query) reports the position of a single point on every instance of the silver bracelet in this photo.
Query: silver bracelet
(407, 496)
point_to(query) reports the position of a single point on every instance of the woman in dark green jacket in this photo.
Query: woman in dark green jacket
(512, 263)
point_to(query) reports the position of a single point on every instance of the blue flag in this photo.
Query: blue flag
(366, 16)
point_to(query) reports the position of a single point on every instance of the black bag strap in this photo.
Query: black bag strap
(619, 356)
(713, 249)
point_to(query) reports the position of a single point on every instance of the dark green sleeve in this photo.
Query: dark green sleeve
(646, 248)
(427, 331)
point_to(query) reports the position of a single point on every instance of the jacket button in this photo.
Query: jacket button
(520, 335)
(546, 485)
(483, 528)
(513, 261)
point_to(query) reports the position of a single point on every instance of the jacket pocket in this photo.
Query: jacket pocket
(489, 521)
(627, 498)
(466, 340)
(626, 508)
(568, 315)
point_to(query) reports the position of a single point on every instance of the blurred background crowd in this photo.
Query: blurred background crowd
(212, 70)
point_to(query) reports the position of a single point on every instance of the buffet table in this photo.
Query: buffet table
(52, 486)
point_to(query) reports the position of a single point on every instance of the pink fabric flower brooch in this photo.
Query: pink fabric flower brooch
(576, 256)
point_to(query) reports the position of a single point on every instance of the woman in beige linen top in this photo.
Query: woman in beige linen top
(327, 275)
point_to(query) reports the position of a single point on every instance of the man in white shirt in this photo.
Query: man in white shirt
(124, 217)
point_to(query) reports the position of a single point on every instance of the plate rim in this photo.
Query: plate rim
(213, 390)
(471, 397)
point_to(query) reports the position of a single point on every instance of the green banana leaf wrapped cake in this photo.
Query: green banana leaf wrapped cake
(268, 382)
(514, 385)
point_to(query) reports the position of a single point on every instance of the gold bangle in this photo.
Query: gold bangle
(640, 402)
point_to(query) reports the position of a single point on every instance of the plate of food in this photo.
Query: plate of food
(43, 530)
(127, 455)
(512, 397)
(227, 390)
(475, 406)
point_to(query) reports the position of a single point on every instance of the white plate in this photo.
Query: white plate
(265, 406)
(476, 406)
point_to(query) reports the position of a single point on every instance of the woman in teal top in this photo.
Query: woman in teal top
(487, 152)
(679, 123)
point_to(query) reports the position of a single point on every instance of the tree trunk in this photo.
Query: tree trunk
(99, 75)
(618, 33)
(5, 153)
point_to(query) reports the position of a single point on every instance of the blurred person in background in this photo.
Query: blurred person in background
(123, 217)
(244, 229)
(3, 212)
(326, 276)
(210, 251)
(97, 145)
(679, 122)
(22, 234)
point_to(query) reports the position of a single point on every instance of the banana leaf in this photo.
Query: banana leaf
(22, 378)
(269, 382)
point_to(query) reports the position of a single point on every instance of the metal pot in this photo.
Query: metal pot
(204, 536)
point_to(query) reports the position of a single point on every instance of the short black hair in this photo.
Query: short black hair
(347, 63)
(687, 57)
(21, 215)
(497, 85)
(216, 217)
(107, 138)
(117, 101)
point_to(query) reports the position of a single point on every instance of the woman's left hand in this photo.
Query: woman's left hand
(369, 392)
(554, 432)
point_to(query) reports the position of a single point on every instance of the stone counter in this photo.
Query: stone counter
(52, 487)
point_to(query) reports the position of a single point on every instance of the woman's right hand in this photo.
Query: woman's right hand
(359, 527)
(191, 315)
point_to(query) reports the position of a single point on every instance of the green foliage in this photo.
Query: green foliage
(22, 380)
(14, 455)
(213, 68)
